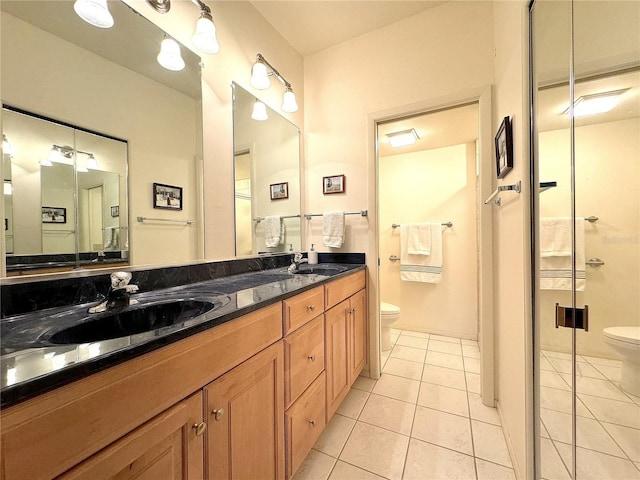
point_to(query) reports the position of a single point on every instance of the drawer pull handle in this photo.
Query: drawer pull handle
(199, 428)
(218, 414)
(311, 308)
(312, 358)
(312, 423)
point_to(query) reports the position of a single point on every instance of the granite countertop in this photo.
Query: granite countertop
(31, 363)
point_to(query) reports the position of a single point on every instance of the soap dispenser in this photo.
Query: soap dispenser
(312, 256)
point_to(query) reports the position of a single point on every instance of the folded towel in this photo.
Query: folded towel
(333, 229)
(273, 231)
(419, 241)
(421, 268)
(556, 270)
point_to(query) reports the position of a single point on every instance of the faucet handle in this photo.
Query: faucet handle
(297, 257)
(120, 280)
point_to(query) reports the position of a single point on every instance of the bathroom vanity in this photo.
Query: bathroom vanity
(240, 393)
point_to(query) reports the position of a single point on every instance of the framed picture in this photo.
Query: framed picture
(54, 215)
(333, 184)
(504, 148)
(279, 191)
(115, 211)
(167, 196)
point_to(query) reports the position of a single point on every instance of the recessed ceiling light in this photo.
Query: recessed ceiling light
(596, 103)
(402, 138)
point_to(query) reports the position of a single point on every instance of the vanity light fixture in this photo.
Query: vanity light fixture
(92, 163)
(7, 149)
(204, 37)
(8, 189)
(259, 111)
(160, 6)
(260, 73)
(45, 162)
(596, 103)
(169, 56)
(95, 12)
(402, 138)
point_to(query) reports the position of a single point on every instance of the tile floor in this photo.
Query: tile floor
(607, 425)
(423, 419)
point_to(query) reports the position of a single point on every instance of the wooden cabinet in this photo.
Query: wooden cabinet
(300, 309)
(358, 334)
(169, 447)
(245, 414)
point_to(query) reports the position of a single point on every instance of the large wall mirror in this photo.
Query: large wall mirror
(267, 178)
(93, 94)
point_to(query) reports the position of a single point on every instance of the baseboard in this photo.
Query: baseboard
(516, 467)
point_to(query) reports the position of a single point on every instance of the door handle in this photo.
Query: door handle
(570, 317)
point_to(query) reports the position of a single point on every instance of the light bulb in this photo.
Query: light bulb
(289, 101)
(8, 189)
(94, 12)
(259, 76)
(6, 146)
(45, 162)
(169, 56)
(259, 111)
(55, 155)
(92, 163)
(204, 37)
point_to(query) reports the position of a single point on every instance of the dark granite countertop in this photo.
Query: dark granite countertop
(31, 363)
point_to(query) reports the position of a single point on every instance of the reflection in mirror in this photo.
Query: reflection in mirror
(68, 201)
(267, 179)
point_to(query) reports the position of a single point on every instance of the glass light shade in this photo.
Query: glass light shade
(204, 37)
(169, 56)
(45, 162)
(92, 163)
(259, 111)
(8, 189)
(259, 76)
(403, 138)
(6, 146)
(81, 169)
(55, 155)
(289, 102)
(94, 12)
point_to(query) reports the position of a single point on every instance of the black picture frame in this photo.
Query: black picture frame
(504, 148)
(115, 211)
(167, 197)
(54, 215)
(279, 191)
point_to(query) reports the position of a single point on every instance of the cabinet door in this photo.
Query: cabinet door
(337, 355)
(169, 446)
(245, 412)
(358, 334)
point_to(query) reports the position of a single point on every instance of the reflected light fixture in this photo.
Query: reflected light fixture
(402, 138)
(8, 189)
(45, 162)
(260, 73)
(204, 37)
(92, 163)
(95, 12)
(160, 6)
(259, 111)
(169, 56)
(596, 103)
(7, 149)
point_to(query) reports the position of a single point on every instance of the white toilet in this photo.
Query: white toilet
(626, 341)
(389, 313)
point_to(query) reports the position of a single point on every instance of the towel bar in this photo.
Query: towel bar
(444, 224)
(594, 262)
(259, 219)
(144, 219)
(517, 187)
(363, 213)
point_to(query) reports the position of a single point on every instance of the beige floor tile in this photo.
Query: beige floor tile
(550, 462)
(400, 388)
(444, 360)
(395, 331)
(613, 374)
(465, 341)
(593, 465)
(408, 353)
(479, 411)
(553, 380)
(472, 365)
(414, 342)
(447, 377)
(545, 365)
(473, 382)
(353, 403)
(364, 383)
(445, 399)
(445, 347)
(443, 429)
(388, 413)
(444, 338)
(602, 361)
(612, 411)
(383, 358)
(471, 351)
(409, 333)
(317, 466)
(335, 435)
(491, 471)
(543, 431)
(376, 450)
(430, 462)
(627, 438)
(562, 401)
(404, 368)
(489, 443)
(598, 388)
(344, 471)
(583, 369)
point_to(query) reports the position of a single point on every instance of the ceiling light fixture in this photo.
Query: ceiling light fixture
(169, 56)
(259, 111)
(94, 12)
(402, 138)
(260, 73)
(7, 149)
(596, 103)
(204, 37)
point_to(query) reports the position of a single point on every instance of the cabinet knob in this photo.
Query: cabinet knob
(217, 414)
(312, 423)
(199, 428)
(312, 358)
(311, 308)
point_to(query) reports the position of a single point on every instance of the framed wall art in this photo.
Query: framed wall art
(333, 184)
(54, 215)
(279, 191)
(167, 196)
(504, 148)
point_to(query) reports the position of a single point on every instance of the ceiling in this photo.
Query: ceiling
(311, 26)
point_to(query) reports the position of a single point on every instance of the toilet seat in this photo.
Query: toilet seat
(629, 334)
(389, 309)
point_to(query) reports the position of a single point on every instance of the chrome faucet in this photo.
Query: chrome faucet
(295, 262)
(119, 295)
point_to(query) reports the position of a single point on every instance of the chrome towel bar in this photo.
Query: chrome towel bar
(445, 224)
(517, 187)
(169, 220)
(363, 213)
(259, 219)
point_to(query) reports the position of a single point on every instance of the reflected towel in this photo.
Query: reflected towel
(556, 263)
(333, 229)
(421, 268)
(273, 231)
(419, 240)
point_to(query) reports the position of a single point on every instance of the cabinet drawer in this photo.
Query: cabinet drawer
(304, 421)
(303, 358)
(338, 290)
(300, 309)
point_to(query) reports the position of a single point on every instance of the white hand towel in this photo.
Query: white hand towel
(333, 229)
(421, 268)
(419, 241)
(556, 270)
(273, 231)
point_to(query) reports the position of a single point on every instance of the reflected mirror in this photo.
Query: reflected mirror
(267, 179)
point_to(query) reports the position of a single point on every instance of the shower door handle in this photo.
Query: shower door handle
(570, 317)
